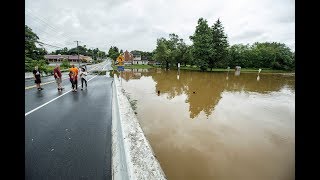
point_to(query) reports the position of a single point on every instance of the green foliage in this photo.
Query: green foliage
(162, 52)
(210, 49)
(65, 64)
(113, 53)
(172, 51)
(31, 50)
(262, 55)
(202, 44)
(138, 66)
(42, 65)
(219, 46)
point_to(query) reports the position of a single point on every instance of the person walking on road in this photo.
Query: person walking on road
(83, 76)
(37, 77)
(72, 80)
(58, 77)
(75, 74)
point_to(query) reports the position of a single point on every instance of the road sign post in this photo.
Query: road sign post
(120, 59)
(120, 68)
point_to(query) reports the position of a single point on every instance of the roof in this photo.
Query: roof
(72, 57)
(135, 53)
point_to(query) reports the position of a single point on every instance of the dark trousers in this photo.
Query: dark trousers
(74, 84)
(83, 80)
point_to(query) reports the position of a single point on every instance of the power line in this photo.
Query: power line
(42, 43)
(48, 44)
(43, 20)
(64, 42)
(47, 33)
(54, 29)
(60, 44)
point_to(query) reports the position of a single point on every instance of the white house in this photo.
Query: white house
(137, 59)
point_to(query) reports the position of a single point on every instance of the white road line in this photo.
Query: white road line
(54, 98)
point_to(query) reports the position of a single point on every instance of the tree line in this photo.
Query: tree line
(94, 53)
(210, 49)
(35, 55)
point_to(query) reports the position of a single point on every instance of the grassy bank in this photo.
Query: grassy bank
(194, 68)
(138, 66)
(264, 70)
(134, 66)
(114, 67)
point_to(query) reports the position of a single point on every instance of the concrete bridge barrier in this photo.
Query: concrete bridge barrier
(132, 155)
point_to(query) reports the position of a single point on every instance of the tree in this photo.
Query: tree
(273, 55)
(239, 55)
(187, 56)
(219, 46)
(202, 44)
(162, 52)
(31, 50)
(261, 55)
(113, 52)
(65, 64)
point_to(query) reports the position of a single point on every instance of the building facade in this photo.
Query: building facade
(71, 58)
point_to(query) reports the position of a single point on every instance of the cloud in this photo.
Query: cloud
(248, 34)
(136, 24)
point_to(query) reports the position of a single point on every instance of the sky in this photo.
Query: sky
(137, 24)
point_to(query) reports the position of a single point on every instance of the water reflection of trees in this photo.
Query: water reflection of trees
(204, 90)
(128, 74)
(167, 82)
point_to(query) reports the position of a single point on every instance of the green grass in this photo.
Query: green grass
(195, 68)
(264, 70)
(138, 66)
(114, 67)
(50, 69)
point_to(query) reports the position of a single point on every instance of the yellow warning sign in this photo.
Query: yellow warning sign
(120, 59)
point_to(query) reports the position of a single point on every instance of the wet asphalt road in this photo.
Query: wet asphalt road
(70, 137)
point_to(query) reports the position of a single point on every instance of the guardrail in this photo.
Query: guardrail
(132, 155)
(119, 163)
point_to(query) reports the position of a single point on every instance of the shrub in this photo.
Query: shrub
(65, 64)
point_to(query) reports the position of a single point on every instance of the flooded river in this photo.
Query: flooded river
(217, 126)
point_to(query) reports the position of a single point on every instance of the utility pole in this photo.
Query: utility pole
(78, 52)
(92, 55)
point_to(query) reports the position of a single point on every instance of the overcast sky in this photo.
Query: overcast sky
(136, 24)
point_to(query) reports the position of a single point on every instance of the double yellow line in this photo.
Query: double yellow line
(29, 87)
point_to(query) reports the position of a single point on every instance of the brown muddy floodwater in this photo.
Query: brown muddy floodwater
(217, 126)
